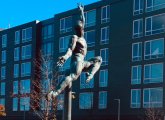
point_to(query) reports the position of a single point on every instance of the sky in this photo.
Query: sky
(17, 12)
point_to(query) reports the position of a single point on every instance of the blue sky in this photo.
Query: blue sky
(16, 12)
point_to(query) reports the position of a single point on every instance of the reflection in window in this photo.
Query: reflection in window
(136, 51)
(24, 103)
(153, 73)
(105, 55)
(15, 87)
(16, 70)
(17, 37)
(135, 98)
(103, 81)
(154, 49)
(83, 83)
(4, 41)
(136, 75)
(26, 69)
(2, 91)
(25, 86)
(104, 35)
(138, 7)
(15, 104)
(48, 31)
(3, 72)
(153, 97)
(64, 42)
(66, 24)
(138, 28)
(86, 100)
(90, 37)
(27, 34)
(152, 5)
(3, 59)
(105, 14)
(16, 54)
(90, 18)
(102, 100)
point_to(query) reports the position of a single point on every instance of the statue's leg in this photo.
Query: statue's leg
(92, 66)
(76, 70)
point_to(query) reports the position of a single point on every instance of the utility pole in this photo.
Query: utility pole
(118, 115)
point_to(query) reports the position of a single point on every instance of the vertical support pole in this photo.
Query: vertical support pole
(67, 102)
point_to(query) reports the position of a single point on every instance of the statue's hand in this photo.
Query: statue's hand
(61, 61)
(80, 6)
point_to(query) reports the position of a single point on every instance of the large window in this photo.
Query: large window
(66, 24)
(83, 84)
(102, 100)
(27, 34)
(24, 103)
(16, 54)
(16, 70)
(155, 24)
(25, 86)
(47, 48)
(15, 87)
(86, 100)
(2, 91)
(136, 75)
(153, 97)
(154, 49)
(3, 60)
(3, 72)
(15, 104)
(48, 31)
(138, 7)
(105, 55)
(26, 69)
(104, 35)
(2, 101)
(60, 104)
(137, 28)
(17, 37)
(103, 81)
(90, 38)
(153, 73)
(152, 5)
(90, 18)
(64, 42)
(105, 14)
(137, 51)
(26, 52)
(4, 41)
(135, 98)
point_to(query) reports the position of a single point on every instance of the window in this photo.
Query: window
(25, 86)
(153, 73)
(2, 101)
(153, 97)
(154, 49)
(152, 5)
(138, 7)
(64, 42)
(26, 51)
(60, 104)
(83, 84)
(24, 103)
(86, 100)
(105, 14)
(104, 35)
(138, 28)
(26, 69)
(16, 70)
(15, 104)
(46, 85)
(47, 48)
(3, 57)
(90, 18)
(155, 24)
(104, 53)
(135, 98)
(17, 37)
(4, 41)
(66, 24)
(15, 87)
(90, 37)
(137, 51)
(3, 73)
(103, 81)
(48, 31)
(102, 100)
(16, 54)
(89, 55)
(136, 75)
(27, 34)
(2, 92)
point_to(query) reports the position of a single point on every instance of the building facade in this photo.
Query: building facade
(127, 34)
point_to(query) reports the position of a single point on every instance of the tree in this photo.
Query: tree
(153, 114)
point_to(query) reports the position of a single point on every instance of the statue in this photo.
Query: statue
(77, 50)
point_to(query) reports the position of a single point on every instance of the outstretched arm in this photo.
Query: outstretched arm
(82, 17)
(68, 54)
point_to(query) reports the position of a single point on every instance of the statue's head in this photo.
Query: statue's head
(79, 28)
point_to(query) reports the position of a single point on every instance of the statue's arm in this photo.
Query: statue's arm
(71, 47)
(82, 17)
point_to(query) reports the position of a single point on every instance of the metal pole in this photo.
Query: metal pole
(118, 100)
(67, 102)
(24, 113)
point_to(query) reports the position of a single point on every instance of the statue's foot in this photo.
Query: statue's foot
(89, 77)
(51, 95)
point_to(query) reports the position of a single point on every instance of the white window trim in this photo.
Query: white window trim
(105, 82)
(63, 38)
(132, 80)
(138, 9)
(65, 29)
(104, 103)
(136, 99)
(92, 43)
(139, 34)
(89, 23)
(106, 19)
(106, 56)
(138, 51)
(26, 39)
(106, 41)
(153, 6)
(15, 41)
